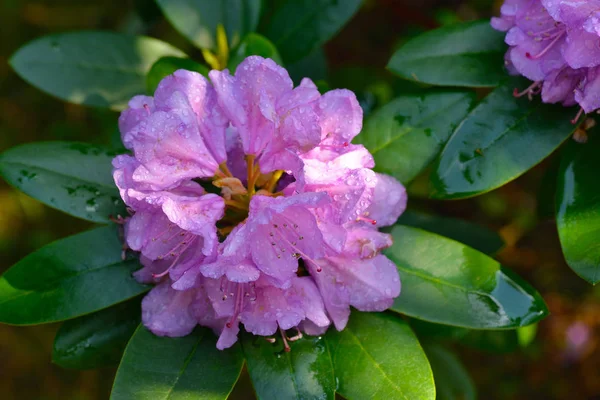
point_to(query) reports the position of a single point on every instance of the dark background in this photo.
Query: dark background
(562, 362)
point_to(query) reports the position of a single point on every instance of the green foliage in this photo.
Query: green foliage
(253, 45)
(406, 134)
(52, 173)
(467, 54)
(502, 138)
(98, 339)
(578, 207)
(166, 66)
(473, 235)
(468, 288)
(305, 372)
(377, 356)
(68, 278)
(198, 20)
(102, 69)
(187, 368)
(299, 27)
(452, 381)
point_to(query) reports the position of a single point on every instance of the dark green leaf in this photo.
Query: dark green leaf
(501, 139)
(473, 235)
(68, 278)
(578, 207)
(98, 339)
(306, 372)
(166, 66)
(467, 54)
(197, 20)
(447, 282)
(72, 177)
(185, 368)
(405, 135)
(101, 69)
(253, 45)
(298, 27)
(452, 381)
(377, 356)
(313, 66)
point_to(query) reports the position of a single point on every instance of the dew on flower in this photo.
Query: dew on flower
(246, 226)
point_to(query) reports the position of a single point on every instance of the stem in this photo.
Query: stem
(270, 186)
(251, 175)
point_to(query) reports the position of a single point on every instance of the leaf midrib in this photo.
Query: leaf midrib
(90, 66)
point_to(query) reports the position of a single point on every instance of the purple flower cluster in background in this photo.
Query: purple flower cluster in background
(556, 44)
(250, 205)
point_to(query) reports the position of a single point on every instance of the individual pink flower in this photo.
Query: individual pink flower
(291, 242)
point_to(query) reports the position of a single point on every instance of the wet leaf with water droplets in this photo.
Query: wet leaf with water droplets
(184, 368)
(377, 356)
(306, 372)
(501, 139)
(406, 134)
(72, 177)
(98, 339)
(68, 278)
(446, 282)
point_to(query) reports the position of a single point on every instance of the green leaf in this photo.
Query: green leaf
(102, 69)
(501, 139)
(446, 282)
(98, 339)
(468, 54)
(166, 66)
(578, 207)
(473, 235)
(72, 177)
(306, 372)
(405, 135)
(298, 27)
(184, 368)
(197, 20)
(68, 278)
(377, 356)
(452, 381)
(253, 45)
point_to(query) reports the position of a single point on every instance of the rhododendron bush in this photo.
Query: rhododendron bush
(253, 217)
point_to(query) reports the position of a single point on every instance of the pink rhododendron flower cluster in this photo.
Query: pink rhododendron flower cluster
(250, 205)
(556, 44)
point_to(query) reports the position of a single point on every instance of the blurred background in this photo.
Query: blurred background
(558, 359)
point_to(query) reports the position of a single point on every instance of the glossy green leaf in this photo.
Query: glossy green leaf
(298, 27)
(68, 278)
(97, 339)
(578, 207)
(502, 138)
(467, 54)
(197, 20)
(166, 66)
(306, 372)
(405, 135)
(452, 381)
(446, 282)
(102, 69)
(253, 45)
(473, 235)
(377, 356)
(184, 368)
(72, 177)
